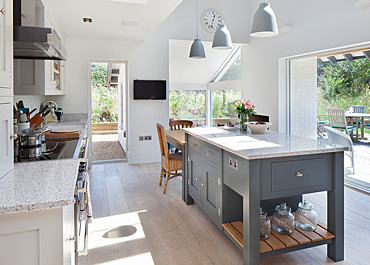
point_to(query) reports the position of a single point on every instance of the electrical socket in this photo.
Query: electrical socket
(233, 163)
(145, 138)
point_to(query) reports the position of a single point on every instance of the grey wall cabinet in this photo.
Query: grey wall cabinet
(6, 47)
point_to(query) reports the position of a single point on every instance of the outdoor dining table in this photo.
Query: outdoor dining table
(358, 116)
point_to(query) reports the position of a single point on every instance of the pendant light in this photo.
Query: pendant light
(222, 37)
(197, 48)
(264, 21)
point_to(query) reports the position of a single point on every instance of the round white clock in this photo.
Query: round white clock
(211, 19)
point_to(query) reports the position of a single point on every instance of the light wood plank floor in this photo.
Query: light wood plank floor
(135, 223)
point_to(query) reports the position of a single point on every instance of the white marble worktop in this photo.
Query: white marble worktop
(38, 185)
(258, 146)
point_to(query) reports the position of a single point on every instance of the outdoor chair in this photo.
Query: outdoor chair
(337, 120)
(170, 163)
(321, 122)
(337, 137)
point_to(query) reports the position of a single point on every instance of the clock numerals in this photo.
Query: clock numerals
(211, 20)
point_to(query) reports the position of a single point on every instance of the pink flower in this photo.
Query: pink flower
(238, 103)
(254, 106)
(242, 101)
(249, 107)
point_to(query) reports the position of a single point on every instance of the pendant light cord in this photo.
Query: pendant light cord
(222, 12)
(197, 20)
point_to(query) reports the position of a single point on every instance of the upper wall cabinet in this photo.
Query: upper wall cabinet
(6, 47)
(39, 77)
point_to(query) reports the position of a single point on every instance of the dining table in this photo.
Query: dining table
(358, 116)
(176, 138)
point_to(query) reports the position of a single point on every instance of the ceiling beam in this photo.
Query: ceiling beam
(348, 57)
(344, 52)
(332, 60)
(367, 54)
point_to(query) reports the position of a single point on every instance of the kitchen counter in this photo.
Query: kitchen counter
(258, 146)
(38, 185)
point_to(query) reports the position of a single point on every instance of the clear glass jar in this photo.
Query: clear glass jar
(306, 217)
(283, 220)
(265, 225)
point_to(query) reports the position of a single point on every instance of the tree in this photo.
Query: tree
(344, 78)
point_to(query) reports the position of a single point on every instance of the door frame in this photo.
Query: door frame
(89, 96)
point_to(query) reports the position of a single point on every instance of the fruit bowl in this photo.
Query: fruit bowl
(258, 127)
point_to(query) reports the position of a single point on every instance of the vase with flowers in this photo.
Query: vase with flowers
(244, 109)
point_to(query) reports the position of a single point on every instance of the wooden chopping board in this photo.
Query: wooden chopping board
(63, 134)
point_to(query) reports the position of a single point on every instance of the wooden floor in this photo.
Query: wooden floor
(135, 223)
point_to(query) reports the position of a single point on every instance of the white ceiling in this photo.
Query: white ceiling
(107, 17)
(185, 71)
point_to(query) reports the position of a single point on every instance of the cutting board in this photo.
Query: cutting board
(70, 134)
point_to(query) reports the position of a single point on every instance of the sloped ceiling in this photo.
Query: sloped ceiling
(193, 72)
(108, 16)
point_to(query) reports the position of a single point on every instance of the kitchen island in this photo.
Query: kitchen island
(230, 175)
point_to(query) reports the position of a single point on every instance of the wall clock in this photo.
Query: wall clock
(211, 19)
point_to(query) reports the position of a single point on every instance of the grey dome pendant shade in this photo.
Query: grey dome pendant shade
(264, 22)
(222, 38)
(197, 50)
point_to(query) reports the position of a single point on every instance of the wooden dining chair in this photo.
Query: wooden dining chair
(170, 163)
(180, 124)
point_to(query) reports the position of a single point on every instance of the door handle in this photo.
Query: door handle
(298, 174)
(197, 179)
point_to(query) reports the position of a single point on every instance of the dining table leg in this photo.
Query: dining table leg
(362, 127)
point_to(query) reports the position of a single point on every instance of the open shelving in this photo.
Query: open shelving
(277, 243)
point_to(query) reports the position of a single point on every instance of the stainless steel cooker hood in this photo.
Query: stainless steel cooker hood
(35, 42)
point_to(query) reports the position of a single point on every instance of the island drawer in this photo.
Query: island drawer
(292, 176)
(212, 154)
(194, 144)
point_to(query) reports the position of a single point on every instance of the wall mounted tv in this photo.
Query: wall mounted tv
(149, 89)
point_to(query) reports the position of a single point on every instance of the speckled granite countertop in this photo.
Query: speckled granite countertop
(38, 185)
(259, 146)
(73, 119)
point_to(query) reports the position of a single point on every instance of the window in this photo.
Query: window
(223, 105)
(234, 72)
(188, 105)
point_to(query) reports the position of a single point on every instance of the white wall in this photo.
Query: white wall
(77, 68)
(317, 25)
(303, 97)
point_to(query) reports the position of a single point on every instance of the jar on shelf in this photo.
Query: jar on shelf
(283, 220)
(265, 225)
(306, 217)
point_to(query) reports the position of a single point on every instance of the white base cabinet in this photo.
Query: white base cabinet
(38, 237)
(6, 135)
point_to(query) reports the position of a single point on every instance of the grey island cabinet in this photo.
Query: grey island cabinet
(230, 175)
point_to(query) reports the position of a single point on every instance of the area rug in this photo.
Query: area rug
(106, 147)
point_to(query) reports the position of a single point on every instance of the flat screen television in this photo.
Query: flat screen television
(149, 89)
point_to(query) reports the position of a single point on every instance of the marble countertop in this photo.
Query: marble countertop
(258, 146)
(38, 185)
(72, 119)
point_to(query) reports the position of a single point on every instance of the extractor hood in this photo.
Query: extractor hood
(35, 42)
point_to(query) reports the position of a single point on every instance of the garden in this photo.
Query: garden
(104, 99)
(342, 85)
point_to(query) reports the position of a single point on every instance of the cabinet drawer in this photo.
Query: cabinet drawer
(292, 176)
(212, 154)
(296, 174)
(194, 144)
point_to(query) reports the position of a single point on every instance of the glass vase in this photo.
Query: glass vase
(243, 119)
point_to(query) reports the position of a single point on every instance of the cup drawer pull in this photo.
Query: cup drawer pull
(209, 154)
(193, 145)
(298, 174)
